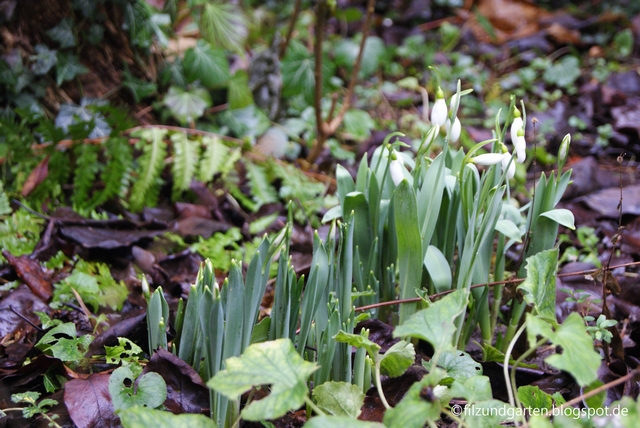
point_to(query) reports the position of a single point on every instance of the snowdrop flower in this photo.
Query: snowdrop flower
(517, 136)
(453, 132)
(503, 159)
(395, 168)
(439, 111)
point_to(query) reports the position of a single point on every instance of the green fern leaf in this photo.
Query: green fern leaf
(87, 167)
(261, 188)
(5, 207)
(116, 174)
(214, 157)
(185, 160)
(147, 186)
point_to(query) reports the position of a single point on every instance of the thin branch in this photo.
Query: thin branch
(321, 136)
(334, 123)
(292, 25)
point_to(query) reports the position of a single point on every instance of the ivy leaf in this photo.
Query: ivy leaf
(564, 72)
(143, 417)
(435, 324)
(339, 398)
(68, 67)
(187, 106)
(63, 34)
(578, 356)
(539, 287)
(150, 390)
(207, 65)
(346, 53)
(44, 59)
(397, 359)
(139, 88)
(298, 72)
(358, 124)
(225, 25)
(246, 122)
(275, 363)
(240, 95)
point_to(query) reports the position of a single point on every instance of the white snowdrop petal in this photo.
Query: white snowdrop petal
(488, 159)
(521, 148)
(511, 165)
(439, 112)
(516, 125)
(397, 175)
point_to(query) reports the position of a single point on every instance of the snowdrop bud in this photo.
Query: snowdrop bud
(564, 149)
(488, 159)
(516, 125)
(395, 168)
(509, 165)
(453, 132)
(454, 100)
(439, 111)
(520, 145)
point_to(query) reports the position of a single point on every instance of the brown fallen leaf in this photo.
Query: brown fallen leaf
(32, 273)
(89, 402)
(37, 176)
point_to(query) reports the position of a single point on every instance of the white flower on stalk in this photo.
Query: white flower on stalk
(503, 159)
(395, 168)
(439, 111)
(517, 136)
(453, 132)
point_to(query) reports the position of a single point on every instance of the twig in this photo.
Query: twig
(327, 128)
(292, 25)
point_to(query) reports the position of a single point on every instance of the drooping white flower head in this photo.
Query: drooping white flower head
(439, 111)
(395, 168)
(517, 136)
(520, 145)
(453, 132)
(488, 159)
(509, 165)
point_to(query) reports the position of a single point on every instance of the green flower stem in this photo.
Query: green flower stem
(379, 386)
(313, 406)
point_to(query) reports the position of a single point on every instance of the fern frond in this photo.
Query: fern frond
(261, 188)
(185, 160)
(214, 157)
(147, 186)
(86, 169)
(5, 207)
(116, 173)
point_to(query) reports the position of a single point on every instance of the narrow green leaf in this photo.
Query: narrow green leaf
(409, 245)
(562, 216)
(339, 398)
(435, 324)
(539, 287)
(438, 268)
(275, 363)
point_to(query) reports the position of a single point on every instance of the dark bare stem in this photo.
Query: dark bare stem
(292, 25)
(334, 123)
(599, 389)
(328, 128)
(321, 137)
